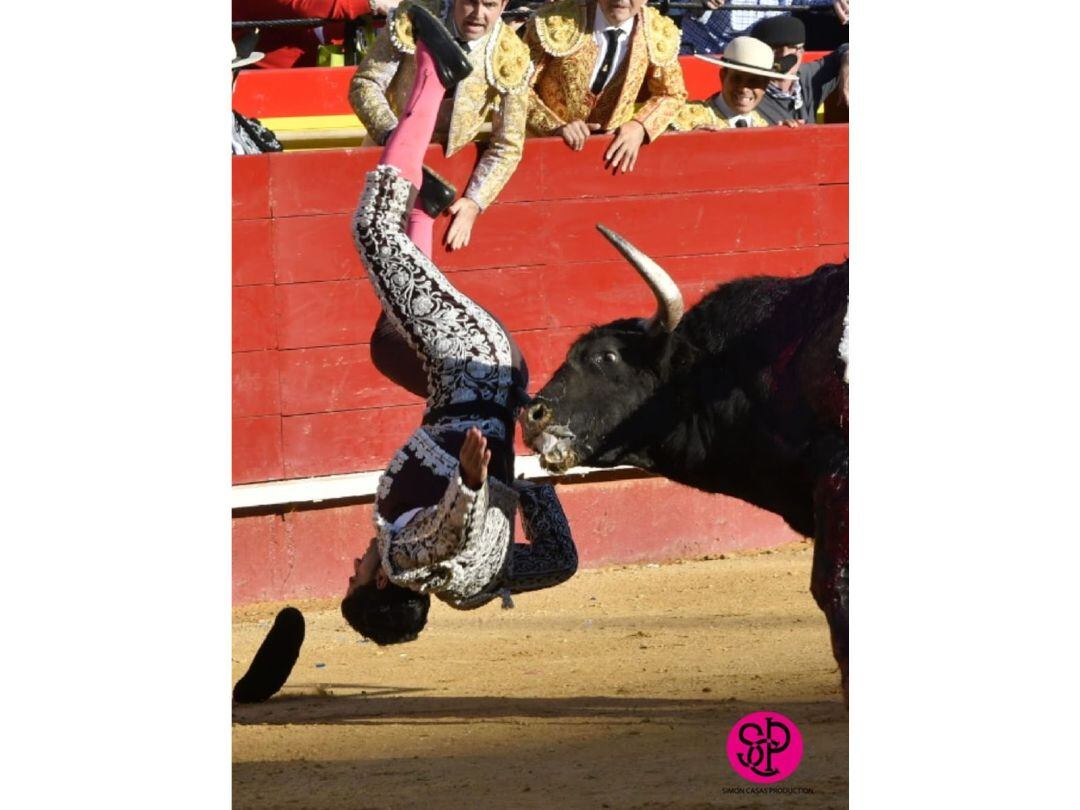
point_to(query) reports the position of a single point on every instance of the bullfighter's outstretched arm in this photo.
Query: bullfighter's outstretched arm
(437, 532)
(550, 557)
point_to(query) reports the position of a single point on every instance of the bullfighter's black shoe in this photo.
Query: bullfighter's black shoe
(436, 193)
(451, 62)
(274, 660)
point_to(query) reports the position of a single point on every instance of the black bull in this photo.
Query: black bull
(745, 395)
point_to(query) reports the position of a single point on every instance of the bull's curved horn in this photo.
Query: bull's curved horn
(669, 301)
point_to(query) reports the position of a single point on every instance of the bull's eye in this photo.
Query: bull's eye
(607, 357)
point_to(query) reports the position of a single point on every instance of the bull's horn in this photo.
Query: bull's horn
(669, 301)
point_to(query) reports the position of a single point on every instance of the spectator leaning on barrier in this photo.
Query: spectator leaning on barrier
(711, 31)
(496, 91)
(798, 96)
(249, 137)
(297, 46)
(748, 66)
(595, 61)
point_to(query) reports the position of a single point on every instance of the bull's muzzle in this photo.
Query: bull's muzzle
(536, 417)
(554, 443)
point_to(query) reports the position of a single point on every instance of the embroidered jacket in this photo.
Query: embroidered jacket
(712, 113)
(496, 91)
(461, 548)
(560, 39)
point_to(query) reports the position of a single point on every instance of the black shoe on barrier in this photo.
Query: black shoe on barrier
(451, 62)
(436, 193)
(274, 660)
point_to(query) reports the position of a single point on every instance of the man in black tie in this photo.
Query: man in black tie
(595, 60)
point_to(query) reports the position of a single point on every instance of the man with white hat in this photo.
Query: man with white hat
(249, 137)
(799, 94)
(748, 67)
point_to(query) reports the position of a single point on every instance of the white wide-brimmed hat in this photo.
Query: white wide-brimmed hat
(749, 55)
(239, 62)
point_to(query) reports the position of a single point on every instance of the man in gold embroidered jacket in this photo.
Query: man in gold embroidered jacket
(604, 66)
(494, 96)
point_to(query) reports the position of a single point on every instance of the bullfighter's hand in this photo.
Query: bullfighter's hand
(623, 152)
(576, 133)
(791, 122)
(464, 212)
(473, 459)
(843, 11)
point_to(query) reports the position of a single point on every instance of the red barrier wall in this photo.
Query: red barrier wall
(307, 402)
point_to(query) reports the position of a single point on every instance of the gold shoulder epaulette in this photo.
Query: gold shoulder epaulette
(662, 38)
(560, 27)
(401, 26)
(507, 61)
(697, 115)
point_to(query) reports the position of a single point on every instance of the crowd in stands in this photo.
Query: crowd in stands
(574, 69)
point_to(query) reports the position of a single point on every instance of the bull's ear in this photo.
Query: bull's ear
(669, 301)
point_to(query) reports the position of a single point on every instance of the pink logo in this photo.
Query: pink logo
(765, 747)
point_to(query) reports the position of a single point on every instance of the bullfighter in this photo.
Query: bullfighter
(444, 508)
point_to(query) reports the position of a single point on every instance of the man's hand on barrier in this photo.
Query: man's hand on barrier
(843, 10)
(623, 152)
(464, 212)
(576, 133)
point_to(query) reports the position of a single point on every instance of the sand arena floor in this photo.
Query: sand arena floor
(617, 689)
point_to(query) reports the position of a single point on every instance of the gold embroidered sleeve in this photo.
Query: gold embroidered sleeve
(667, 95)
(503, 152)
(697, 115)
(542, 120)
(367, 91)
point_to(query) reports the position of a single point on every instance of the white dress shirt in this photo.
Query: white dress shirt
(600, 25)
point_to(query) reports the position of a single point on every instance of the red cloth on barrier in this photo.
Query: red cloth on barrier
(295, 47)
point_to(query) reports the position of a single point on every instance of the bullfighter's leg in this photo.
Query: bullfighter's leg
(466, 353)
(829, 578)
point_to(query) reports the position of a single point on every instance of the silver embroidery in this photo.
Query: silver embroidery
(430, 455)
(458, 546)
(492, 428)
(467, 353)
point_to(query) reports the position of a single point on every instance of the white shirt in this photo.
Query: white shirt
(600, 25)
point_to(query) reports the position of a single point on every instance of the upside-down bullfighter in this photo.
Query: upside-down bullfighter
(746, 395)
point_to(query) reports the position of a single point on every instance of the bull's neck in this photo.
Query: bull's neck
(716, 448)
